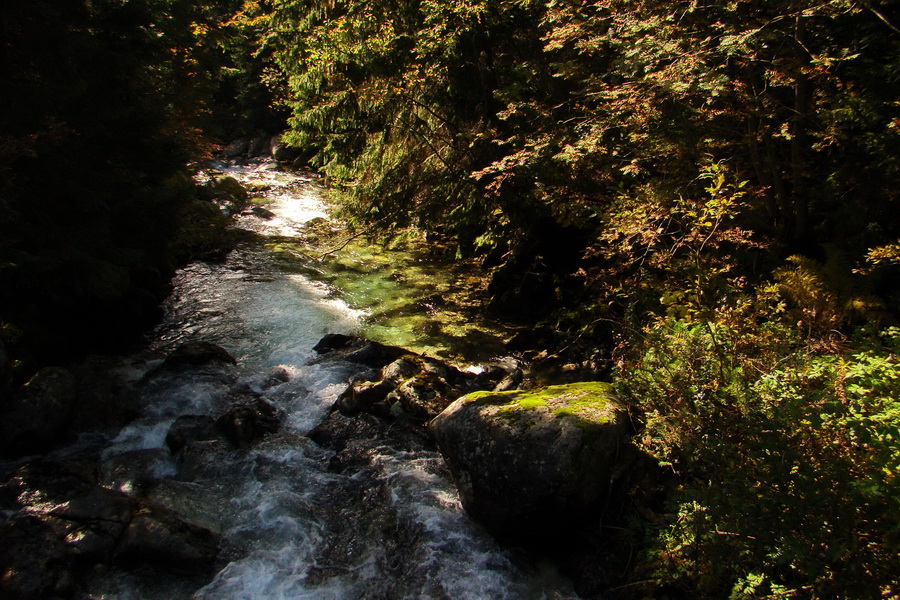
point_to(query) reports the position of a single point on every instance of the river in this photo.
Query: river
(387, 524)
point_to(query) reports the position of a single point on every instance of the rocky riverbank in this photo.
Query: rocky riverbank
(543, 469)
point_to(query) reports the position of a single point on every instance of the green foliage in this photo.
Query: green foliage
(788, 461)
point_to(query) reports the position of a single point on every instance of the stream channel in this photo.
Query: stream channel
(292, 526)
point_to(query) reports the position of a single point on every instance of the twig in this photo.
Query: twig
(346, 242)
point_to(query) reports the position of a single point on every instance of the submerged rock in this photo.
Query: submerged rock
(532, 462)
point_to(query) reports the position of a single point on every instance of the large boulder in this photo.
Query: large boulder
(37, 418)
(533, 463)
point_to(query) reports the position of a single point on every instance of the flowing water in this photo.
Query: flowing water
(387, 522)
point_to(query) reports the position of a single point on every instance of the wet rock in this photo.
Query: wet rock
(200, 504)
(198, 354)
(244, 424)
(131, 472)
(235, 148)
(188, 429)
(334, 341)
(375, 355)
(358, 350)
(363, 396)
(61, 523)
(262, 213)
(277, 376)
(532, 462)
(37, 417)
(356, 440)
(33, 561)
(157, 536)
(261, 145)
(202, 460)
(103, 403)
(281, 152)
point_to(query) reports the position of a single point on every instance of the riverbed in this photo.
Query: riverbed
(387, 524)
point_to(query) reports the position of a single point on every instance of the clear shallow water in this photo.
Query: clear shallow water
(293, 527)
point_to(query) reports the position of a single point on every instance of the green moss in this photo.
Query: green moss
(584, 400)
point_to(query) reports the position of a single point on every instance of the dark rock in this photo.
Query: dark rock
(303, 159)
(131, 472)
(277, 376)
(357, 440)
(5, 374)
(421, 397)
(103, 402)
(200, 504)
(235, 148)
(412, 386)
(33, 561)
(281, 151)
(191, 428)
(490, 377)
(62, 524)
(510, 382)
(362, 396)
(84, 517)
(334, 341)
(358, 350)
(532, 462)
(402, 368)
(202, 460)
(39, 415)
(376, 355)
(228, 194)
(259, 146)
(244, 424)
(262, 213)
(197, 354)
(155, 535)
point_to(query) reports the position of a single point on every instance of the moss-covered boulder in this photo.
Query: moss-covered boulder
(531, 463)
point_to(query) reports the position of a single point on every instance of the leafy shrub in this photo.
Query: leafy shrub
(788, 469)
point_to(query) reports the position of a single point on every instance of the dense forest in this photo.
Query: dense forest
(704, 194)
